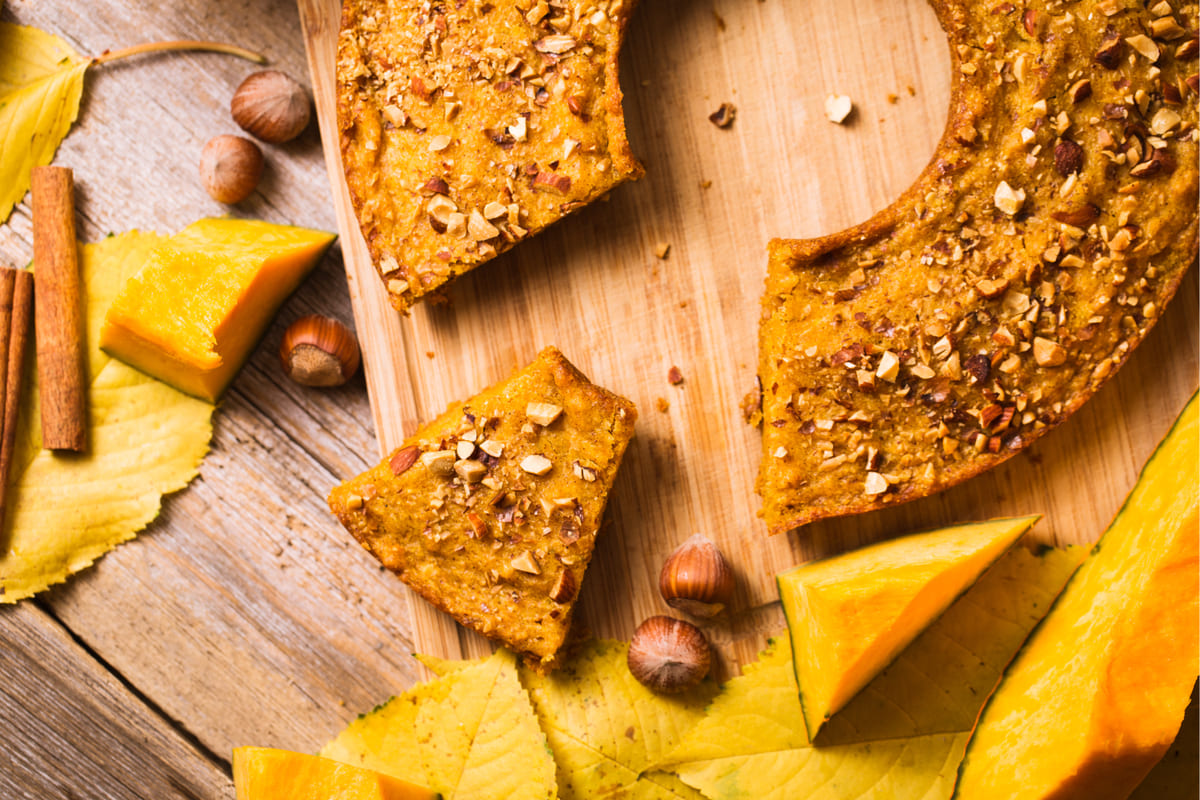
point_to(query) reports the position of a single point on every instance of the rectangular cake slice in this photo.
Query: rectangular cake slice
(490, 511)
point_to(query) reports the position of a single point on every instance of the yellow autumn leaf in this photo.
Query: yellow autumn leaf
(146, 439)
(470, 733)
(903, 736)
(41, 82)
(606, 729)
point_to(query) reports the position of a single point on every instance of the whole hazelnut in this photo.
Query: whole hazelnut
(230, 168)
(696, 579)
(668, 655)
(319, 351)
(272, 106)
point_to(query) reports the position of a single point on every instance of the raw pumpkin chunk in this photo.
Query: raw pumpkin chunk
(264, 773)
(193, 313)
(849, 616)
(1099, 691)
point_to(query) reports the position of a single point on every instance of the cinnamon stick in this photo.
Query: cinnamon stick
(58, 317)
(16, 335)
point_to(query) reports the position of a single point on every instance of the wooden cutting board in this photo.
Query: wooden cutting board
(593, 286)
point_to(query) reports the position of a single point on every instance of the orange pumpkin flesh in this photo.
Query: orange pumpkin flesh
(849, 616)
(1097, 694)
(264, 773)
(195, 310)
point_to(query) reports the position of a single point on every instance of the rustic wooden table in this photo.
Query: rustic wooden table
(244, 615)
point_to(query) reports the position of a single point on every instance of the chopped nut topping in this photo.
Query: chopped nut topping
(439, 462)
(536, 464)
(464, 449)
(526, 563)
(479, 228)
(396, 286)
(543, 413)
(875, 484)
(469, 470)
(889, 367)
(564, 588)
(991, 289)
(1007, 199)
(1048, 353)
(556, 43)
(584, 473)
(1144, 45)
(492, 448)
(404, 458)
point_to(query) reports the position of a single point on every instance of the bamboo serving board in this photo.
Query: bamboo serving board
(593, 286)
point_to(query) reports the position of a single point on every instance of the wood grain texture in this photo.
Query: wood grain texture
(118, 755)
(593, 286)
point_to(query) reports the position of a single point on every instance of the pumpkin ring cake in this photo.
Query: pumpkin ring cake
(1035, 251)
(490, 512)
(466, 127)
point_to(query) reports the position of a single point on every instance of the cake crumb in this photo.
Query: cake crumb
(662, 404)
(674, 376)
(662, 249)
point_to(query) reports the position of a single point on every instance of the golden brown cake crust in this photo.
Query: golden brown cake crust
(490, 511)
(1051, 227)
(466, 127)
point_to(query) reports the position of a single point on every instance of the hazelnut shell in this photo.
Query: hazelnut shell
(230, 168)
(669, 655)
(272, 106)
(696, 578)
(319, 351)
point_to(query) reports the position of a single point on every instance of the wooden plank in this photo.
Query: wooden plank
(592, 286)
(245, 613)
(72, 729)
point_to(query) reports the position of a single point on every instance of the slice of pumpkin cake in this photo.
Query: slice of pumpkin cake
(466, 127)
(490, 511)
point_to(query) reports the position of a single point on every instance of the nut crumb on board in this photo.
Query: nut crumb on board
(838, 108)
(723, 117)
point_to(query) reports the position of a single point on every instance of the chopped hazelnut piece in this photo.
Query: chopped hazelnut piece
(838, 108)
(439, 462)
(492, 448)
(1048, 353)
(536, 464)
(479, 228)
(469, 470)
(889, 367)
(464, 449)
(584, 473)
(1008, 199)
(564, 588)
(557, 44)
(1144, 45)
(875, 484)
(543, 413)
(990, 288)
(723, 117)
(526, 563)
(396, 286)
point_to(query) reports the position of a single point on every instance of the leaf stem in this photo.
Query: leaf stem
(183, 44)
